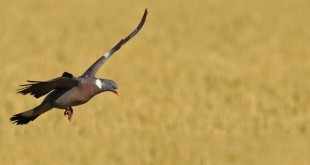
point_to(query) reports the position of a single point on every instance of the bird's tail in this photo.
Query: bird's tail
(30, 115)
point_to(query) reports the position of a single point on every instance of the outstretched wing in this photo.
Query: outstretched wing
(91, 71)
(41, 88)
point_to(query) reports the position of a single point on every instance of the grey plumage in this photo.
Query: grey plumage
(67, 90)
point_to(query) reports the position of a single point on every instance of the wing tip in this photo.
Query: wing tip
(146, 11)
(144, 15)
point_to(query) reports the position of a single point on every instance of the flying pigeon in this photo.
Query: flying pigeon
(67, 91)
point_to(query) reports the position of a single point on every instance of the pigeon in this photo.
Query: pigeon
(67, 91)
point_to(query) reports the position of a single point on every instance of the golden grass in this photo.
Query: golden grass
(210, 82)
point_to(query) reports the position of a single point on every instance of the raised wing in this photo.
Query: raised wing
(91, 71)
(41, 88)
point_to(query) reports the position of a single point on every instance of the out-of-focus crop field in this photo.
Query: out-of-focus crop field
(206, 82)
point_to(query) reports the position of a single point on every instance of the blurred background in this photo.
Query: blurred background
(206, 82)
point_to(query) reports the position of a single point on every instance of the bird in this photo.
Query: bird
(67, 90)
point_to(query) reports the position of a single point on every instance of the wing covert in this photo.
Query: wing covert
(91, 71)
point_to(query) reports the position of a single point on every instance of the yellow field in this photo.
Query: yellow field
(211, 82)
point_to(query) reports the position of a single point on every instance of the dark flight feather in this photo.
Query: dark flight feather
(41, 88)
(91, 71)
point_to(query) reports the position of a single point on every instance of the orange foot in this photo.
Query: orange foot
(69, 113)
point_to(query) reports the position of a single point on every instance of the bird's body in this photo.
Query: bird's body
(67, 91)
(80, 94)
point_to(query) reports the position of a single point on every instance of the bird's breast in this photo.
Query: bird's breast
(77, 95)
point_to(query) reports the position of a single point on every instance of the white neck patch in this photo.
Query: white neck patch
(99, 83)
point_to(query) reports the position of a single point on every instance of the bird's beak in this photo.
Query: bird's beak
(115, 92)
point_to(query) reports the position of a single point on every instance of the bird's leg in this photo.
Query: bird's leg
(69, 112)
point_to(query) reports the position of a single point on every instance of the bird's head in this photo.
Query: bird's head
(107, 85)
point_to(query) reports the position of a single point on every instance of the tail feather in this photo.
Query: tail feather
(23, 118)
(30, 115)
